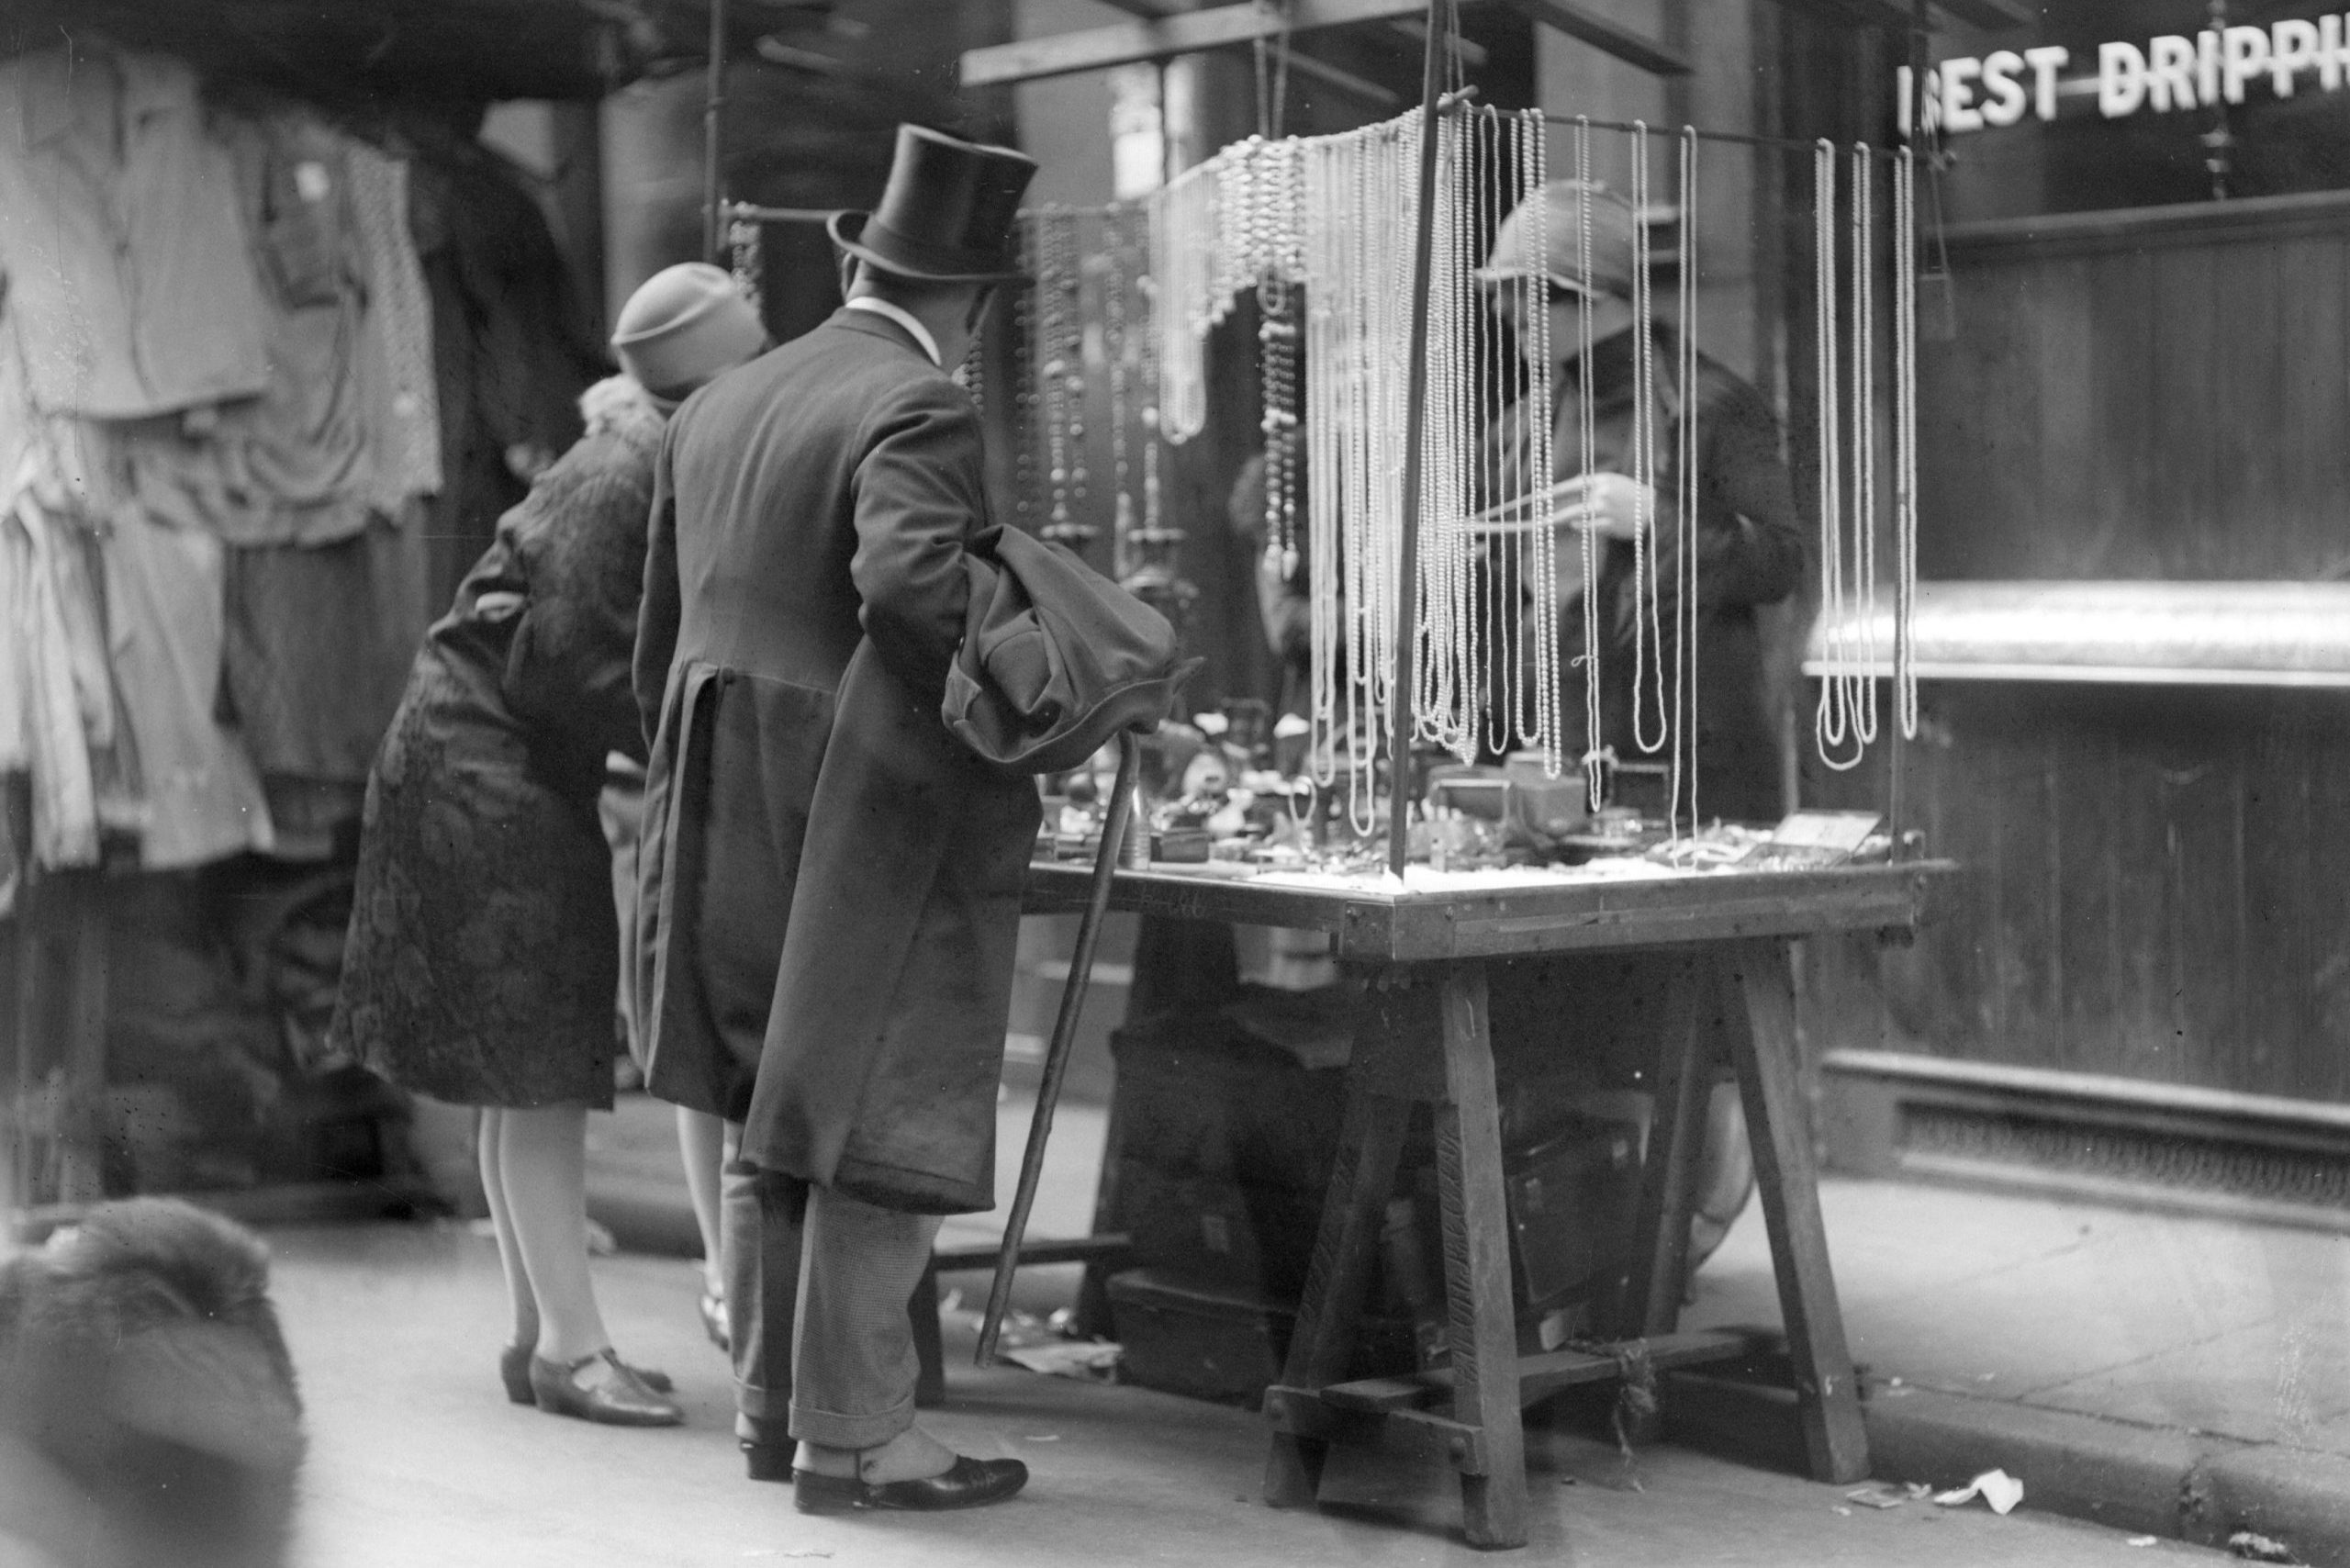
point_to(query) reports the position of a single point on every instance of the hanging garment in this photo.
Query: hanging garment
(348, 429)
(403, 404)
(50, 675)
(120, 238)
(165, 613)
(318, 648)
(511, 351)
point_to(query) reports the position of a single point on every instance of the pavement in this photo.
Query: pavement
(416, 1458)
(2180, 1378)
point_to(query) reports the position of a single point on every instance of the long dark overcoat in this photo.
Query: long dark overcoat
(481, 957)
(829, 892)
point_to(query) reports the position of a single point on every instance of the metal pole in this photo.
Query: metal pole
(1415, 416)
(1897, 766)
(712, 142)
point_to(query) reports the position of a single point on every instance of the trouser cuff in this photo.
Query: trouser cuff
(830, 1429)
(763, 1404)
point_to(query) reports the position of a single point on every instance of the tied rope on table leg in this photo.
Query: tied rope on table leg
(1636, 1402)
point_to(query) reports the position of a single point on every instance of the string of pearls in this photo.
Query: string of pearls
(1595, 754)
(1905, 438)
(1685, 502)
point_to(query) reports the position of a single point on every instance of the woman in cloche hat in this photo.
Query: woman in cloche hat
(481, 964)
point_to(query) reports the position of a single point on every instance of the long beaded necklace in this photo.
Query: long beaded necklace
(1686, 499)
(1905, 437)
(1058, 282)
(1116, 284)
(1863, 437)
(1021, 327)
(1534, 307)
(1833, 719)
(1595, 751)
(1648, 640)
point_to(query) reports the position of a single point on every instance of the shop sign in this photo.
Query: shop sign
(2166, 75)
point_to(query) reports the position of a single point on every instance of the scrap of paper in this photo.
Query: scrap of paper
(1997, 1487)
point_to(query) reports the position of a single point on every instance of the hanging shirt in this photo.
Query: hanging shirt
(348, 431)
(121, 238)
(166, 629)
(403, 406)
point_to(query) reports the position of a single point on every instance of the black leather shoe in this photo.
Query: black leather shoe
(971, 1483)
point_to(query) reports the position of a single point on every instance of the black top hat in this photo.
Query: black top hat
(946, 214)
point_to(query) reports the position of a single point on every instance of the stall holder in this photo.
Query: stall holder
(1415, 955)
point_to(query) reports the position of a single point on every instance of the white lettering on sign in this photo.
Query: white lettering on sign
(2168, 74)
(2003, 99)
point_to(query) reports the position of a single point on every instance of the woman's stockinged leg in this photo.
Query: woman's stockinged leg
(701, 1146)
(522, 1303)
(542, 1159)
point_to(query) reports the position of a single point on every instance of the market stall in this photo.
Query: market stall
(1428, 812)
(272, 361)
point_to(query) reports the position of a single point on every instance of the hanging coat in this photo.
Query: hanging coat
(829, 885)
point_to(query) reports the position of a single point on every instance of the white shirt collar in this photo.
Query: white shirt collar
(903, 318)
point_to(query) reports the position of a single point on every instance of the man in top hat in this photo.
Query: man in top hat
(830, 890)
(1750, 551)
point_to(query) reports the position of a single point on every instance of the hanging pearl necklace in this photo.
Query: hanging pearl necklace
(1116, 284)
(1905, 438)
(1686, 503)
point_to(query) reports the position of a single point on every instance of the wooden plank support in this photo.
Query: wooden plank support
(1476, 1267)
(1539, 1376)
(1762, 1043)
(1075, 1249)
(1302, 1416)
(1371, 1146)
(1650, 1302)
(1188, 32)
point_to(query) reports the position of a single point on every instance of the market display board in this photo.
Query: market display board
(1417, 954)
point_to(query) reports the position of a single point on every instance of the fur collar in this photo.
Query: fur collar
(619, 406)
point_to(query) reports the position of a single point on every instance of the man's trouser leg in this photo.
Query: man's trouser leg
(760, 1217)
(855, 1366)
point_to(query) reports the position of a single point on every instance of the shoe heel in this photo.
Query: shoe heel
(814, 1493)
(514, 1371)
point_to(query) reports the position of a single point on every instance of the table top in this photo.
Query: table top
(1432, 917)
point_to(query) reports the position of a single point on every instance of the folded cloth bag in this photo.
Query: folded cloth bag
(1056, 658)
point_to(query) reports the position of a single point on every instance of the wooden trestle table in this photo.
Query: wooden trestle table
(1416, 961)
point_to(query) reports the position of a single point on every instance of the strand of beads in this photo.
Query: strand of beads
(1905, 437)
(1595, 753)
(1115, 284)
(1021, 326)
(1831, 719)
(1550, 679)
(1058, 285)
(1684, 587)
(1647, 632)
(1863, 439)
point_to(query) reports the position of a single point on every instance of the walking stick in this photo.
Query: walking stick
(1048, 1093)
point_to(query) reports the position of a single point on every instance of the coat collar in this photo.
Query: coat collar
(869, 324)
(873, 305)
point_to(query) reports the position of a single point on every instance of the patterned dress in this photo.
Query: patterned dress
(482, 959)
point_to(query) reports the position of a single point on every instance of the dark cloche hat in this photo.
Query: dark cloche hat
(946, 214)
